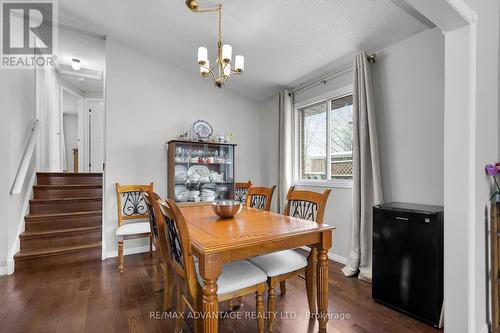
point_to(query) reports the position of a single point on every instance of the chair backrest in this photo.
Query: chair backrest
(241, 191)
(306, 205)
(130, 202)
(260, 197)
(173, 232)
(150, 198)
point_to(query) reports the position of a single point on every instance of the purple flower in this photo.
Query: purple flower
(491, 170)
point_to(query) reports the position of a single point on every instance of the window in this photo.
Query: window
(326, 140)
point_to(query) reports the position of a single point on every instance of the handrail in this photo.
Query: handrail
(17, 186)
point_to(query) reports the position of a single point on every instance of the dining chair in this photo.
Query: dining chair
(132, 216)
(241, 191)
(238, 278)
(260, 197)
(163, 267)
(282, 265)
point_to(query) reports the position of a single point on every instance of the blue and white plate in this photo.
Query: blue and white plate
(203, 129)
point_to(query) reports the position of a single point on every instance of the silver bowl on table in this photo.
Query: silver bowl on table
(226, 208)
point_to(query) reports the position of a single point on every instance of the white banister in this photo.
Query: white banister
(17, 186)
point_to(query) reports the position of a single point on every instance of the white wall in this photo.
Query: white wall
(408, 81)
(486, 143)
(149, 103)
(409, 103)
(17, 102)
(457, 163)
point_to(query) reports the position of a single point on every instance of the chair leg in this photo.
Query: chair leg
(283, 287)
(259, 300)
(181, 307)
(168, 289)
(271, 303)
(311, 280)
(158, 274)
(120, 256)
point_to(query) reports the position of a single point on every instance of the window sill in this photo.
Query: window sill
(336, 183)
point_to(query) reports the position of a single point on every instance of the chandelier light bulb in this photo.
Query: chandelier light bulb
(202, 55)
(75, 64)
(239, 63)
(227, 51)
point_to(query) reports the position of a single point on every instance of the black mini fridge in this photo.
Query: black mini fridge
(408, 259)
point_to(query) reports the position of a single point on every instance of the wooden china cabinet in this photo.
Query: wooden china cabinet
(200, 171)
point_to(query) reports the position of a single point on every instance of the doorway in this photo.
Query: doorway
(82, 132)
(70, 106)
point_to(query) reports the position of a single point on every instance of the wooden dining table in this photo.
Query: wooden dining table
(250, 233)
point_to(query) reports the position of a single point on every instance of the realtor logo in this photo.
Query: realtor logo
(29, 33)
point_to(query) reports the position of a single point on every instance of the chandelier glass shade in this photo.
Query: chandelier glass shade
(221, 69)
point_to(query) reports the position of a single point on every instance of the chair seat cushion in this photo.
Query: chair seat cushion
(133, 228)
(279, 263)
(235, 276)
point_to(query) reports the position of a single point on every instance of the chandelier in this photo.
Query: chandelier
(222, 70)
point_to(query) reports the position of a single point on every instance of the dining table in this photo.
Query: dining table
(252, 232)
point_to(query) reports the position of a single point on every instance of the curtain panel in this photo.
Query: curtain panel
(285, 160)
(367, 186)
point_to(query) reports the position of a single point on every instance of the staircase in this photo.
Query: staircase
(64, 222)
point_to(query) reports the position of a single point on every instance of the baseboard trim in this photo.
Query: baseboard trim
(10, 266)
(3, 270)
(331, 256)
(128, 251)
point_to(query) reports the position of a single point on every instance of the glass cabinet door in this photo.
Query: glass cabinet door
(203, 172)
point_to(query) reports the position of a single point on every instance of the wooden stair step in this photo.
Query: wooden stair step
(65, 205)
(60, 238)
(65, 178)
(66, 191)
(58, 221)
(46, 257)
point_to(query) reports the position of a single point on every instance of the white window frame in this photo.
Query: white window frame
(332, 183)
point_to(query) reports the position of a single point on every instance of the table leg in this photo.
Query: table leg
(311, 280)
(322, 276)
(210, 269)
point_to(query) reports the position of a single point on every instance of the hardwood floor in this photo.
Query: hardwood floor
(94, 297)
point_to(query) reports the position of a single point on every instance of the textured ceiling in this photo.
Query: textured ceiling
(283, 41)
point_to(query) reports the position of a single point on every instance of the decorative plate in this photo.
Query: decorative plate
(203, 129)
(201, 170)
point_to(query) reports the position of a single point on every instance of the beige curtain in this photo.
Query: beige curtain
(367, 187)
(285, 162)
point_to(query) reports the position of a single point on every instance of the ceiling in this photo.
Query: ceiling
(85, 85)
(284, 41)
(91, 52)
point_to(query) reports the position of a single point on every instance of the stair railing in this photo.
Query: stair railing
(22, 169)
